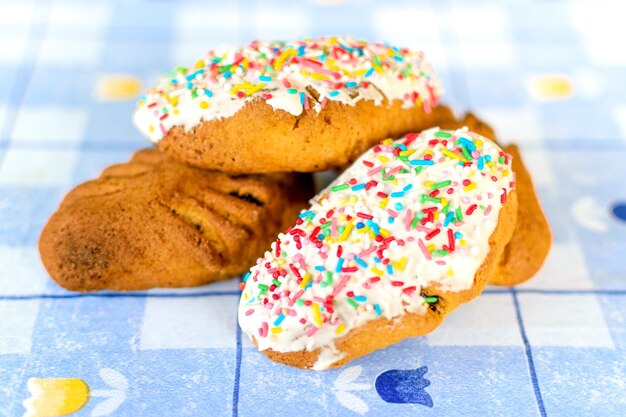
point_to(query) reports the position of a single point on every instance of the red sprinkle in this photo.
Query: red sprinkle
(451, 239)
(432, 234)
(364, 215)
(471, 209)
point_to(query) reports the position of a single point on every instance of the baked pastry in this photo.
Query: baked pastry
(531, 241)
(279, 106)
(153, 222)
(411, 230)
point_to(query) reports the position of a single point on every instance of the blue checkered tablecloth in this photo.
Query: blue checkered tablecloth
(553, 346)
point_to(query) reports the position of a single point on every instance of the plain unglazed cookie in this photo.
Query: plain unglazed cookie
(153, 222)
(410, 231)
(304, 105)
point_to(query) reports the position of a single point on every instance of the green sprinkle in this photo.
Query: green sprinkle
(292, 91)
(459, 215)
(263, 288)
(430, 300)
(425, 198)
(501, 160)
(441, 184)
(446, 208)
(194, 93)
(329, 279)
(418, 217)
(483, 208)
(418, 169)
(224, 68)
(468, 155)
(389, 178)
(276, 282)
(326, 225)
(352, 303)
(440, 252)
(339, 187)
(442, 134)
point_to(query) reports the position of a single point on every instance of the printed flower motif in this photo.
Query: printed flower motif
(52, 397)
(404, 386)
(344, 383)
(55, 396)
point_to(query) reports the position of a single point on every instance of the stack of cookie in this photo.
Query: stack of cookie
(389, 249)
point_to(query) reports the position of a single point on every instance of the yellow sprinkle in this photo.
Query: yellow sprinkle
(281, 261)
(450, 272)
(383, 203)
(428, 184)
(305, 280)
(174, 101)
(377, 271)
(343, 201)
(175, 111)
(255, 88)
(245, 295)
(354, 199)
(363, 229)
(346, 232)
(399, 265)
(151, 128)
(199, 64)
(436, 215)
(340, 328)
(430, 247)
(385, 232)
(317, 76)
(444, 201)
(470, 187)
(453, 155)
(204, 104)
(287, 53)
(478, 143)
(387, 141)
(408, 152)
(383, 159)
(505, 173)
(317, 317)
(276, 330)
(463, 242)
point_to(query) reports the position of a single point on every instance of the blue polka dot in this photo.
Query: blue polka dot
(619, 210)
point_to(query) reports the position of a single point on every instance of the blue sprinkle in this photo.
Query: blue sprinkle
(408, 187)
(358, 187)
(321, 236)
(339, 265)
(369, 72)
(458, 235)
(481, 163)
(301, 50)
(228, 74)
(189, 85)
(360, 225)
(246, 277)
(265, 78)
(319, 268)
(398, 58)
(351, 84)
(422, 162)
(488, 158)
(279, 320)
(398, 206)
(468, 144)
(390, 220)
(194, 74)
(360, 298)
(302, 98)
(390, 269)
(448, 219)
(376, 259)
(208, 93)
(333, 93)
(397, 194)
(402, 146)
(377, 308)
(361, 262)
(306, 214)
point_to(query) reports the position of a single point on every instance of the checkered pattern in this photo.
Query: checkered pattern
(555, 345)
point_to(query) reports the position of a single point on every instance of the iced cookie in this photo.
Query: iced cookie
(411, 230)
(153, 222)
(301, 106)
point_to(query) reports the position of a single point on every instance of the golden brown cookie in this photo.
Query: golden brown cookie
(153, 222)
(304, 105)
(410, 231)
(531, 241)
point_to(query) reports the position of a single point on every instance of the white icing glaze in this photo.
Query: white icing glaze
(338, 69)
(284, 305)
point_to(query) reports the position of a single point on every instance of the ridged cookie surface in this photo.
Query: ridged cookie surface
(153, 222)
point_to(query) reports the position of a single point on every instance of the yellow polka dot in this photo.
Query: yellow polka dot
(117, 87)
(204, 105)
(551, 87)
